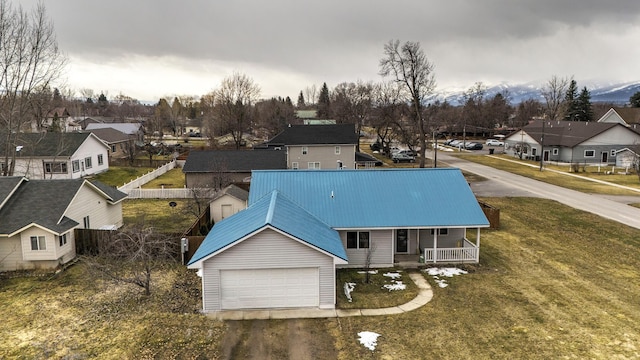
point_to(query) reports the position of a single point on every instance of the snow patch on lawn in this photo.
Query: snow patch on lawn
(348, 288)
(393, 275)
(369, 339)
(444, 272)
(395, 285)
(370, 272)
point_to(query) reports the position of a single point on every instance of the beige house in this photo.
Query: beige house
(318, 146)
(37, 219)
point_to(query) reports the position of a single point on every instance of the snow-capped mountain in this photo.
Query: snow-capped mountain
(618, 93)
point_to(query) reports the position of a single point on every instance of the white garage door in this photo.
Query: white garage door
(269, 288)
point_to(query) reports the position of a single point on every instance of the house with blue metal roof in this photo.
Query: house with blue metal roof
(283, 250)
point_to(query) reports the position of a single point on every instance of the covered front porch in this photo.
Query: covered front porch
(436, 246)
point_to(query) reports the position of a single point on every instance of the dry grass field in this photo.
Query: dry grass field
(553, 283)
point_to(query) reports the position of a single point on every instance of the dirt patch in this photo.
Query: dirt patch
(278, 339)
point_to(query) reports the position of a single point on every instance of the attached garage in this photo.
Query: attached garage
(269, 288)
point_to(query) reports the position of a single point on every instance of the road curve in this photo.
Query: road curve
(516, 185)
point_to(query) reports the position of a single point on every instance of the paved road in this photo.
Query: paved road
(508, 184)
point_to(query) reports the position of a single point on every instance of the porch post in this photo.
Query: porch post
(478, 245)
(418, 241)
(435, 245)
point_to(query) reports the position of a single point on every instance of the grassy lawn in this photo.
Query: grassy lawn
(562, 180)
(553, 283)
(372, 295)
(157, 212)
(119, 175)
(173, 178)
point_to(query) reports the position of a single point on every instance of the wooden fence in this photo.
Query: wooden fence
(90, 241)
(492, 213)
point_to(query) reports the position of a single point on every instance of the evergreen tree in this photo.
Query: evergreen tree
(324, 103)
(571, 102)
(300, 100)
(634, 100)
(583, 106)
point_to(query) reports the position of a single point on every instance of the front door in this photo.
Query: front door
(545, 157)
(402, 241)
(605, 157)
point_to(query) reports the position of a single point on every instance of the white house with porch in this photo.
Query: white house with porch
(283, 250)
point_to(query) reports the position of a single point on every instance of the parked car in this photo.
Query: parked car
(375, 146)
(473, 146)
(455, 143)
(408, 152)
(495, 142)
(402, 157)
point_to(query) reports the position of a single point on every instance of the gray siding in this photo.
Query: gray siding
(324, 154)
(265, 250)
(444, 241)
(382, 245)
(197, 180)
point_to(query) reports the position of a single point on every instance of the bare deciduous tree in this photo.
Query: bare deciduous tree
(132, 255)
(409, 66)
(29, 60)
(234, 100)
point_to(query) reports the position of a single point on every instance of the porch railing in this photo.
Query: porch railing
(468, 253)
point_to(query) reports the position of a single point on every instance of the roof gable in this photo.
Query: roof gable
(8, 185)
(416, 198)
(567, 133)
(234, 160)
(276, 211)
(317, 135)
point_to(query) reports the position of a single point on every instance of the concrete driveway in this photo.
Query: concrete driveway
(502, 183)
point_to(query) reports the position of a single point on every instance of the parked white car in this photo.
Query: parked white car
(494, 142)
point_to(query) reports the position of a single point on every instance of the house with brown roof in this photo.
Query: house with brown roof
(627, 116)
(572, 141)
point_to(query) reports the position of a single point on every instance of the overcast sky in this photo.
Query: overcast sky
(149, 49)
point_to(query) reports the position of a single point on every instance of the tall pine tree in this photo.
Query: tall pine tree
(583, 105)
(571, 102)
(324, 103)
(301, 101)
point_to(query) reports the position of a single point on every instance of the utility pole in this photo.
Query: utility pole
(435, 150)
(544, 120)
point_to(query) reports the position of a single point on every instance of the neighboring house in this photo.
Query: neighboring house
(318, 146)
(216, 168)
(627, 116)
(283, 250)
(227, 202)
(58, 155)
(366, 161)
(37, 218)
(193, 127)
(572, 141)
(134, 129)
(58, 120)
(117, 141)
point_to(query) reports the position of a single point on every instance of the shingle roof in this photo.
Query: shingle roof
(111, 135)
(234, 160)
(8, 185)
(277, 211)
(631, 115)
(317, 135)
(411, 198)
(44, 202)
(113, 195)
(233, 190)
(127, 128)
(49, 144)
(567, 133)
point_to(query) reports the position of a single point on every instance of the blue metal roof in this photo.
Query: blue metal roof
(276, 210)
(418, 198)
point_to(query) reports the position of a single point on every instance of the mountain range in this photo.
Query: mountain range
(617, 94)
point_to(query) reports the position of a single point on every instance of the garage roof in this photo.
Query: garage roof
(278, 212)
(362, 199)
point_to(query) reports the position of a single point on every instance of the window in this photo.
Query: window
(589, 153)
(38, 243)
(55, 168)
(113, 148)
(85, 220)
(62, 239)
(555, 151)
(444, 231)
(87, 162)
(613, 152)
(337, 150)
(305, 150)
(75, 164)
(533, 151)
(313, 165)
(357, 239)
(100, 159)
(294, 165)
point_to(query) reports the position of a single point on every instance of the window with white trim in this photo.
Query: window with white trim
(305, 150)
(613, 152)
(87, 162)
(294, 165)
(38, 243)
(337, 150)
(55, 168)
(358, 239)
(314, 165)
(100, 159)
(589, 153)
(62, 240)
(443, 231)
(555, 151)
(75, 164)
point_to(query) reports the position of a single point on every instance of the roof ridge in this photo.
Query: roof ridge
(272, 207)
